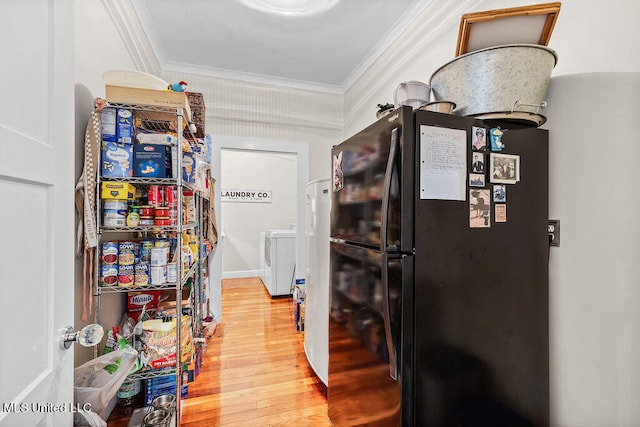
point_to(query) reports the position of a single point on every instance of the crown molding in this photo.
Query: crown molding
(126, 20)
(434, 21)
(387, 40)
(250, 77)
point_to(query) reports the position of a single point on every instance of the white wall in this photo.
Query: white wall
(594, 293)
(243, 222)
(98, 46)
(589, 36)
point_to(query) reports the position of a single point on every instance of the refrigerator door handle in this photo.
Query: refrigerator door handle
(386, 311)
(391, 161)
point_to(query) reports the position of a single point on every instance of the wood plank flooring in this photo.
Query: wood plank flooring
(255, 372)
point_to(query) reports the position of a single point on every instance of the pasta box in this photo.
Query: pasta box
(189, 167)
(116, 159)
(150, 160)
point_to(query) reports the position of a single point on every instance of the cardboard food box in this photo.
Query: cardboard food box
(159, 98)
(189, 167)
(151, 161)
(124, 126)
(137, 299)
(116, 160)
(118, 191)
(108, 123)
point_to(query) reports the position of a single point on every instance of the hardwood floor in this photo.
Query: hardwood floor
(255, 372)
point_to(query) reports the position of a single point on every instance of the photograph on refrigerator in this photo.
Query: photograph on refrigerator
(480, 208)
(501, 212)
(499, 193)
(477, 163)
(476, 180)
(505, 168)
(479, 139)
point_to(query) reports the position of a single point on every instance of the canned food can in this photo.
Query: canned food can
(125, 275)
(109, 253)
(159, 256)
(155, 195)
(162, 222)
(147, 211)
(145, 250)
(141, 274)
(170, 196)
(172, 272)
(158, 275)
(109, 275)
(126, 253)
(114, 218)
(146, 220)
(117, 205)
(161, 211)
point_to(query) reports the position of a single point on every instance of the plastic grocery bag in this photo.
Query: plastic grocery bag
(94, 385)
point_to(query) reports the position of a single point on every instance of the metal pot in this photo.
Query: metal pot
(157, 418)
(445, 107)
(499, 82)
(164, 401)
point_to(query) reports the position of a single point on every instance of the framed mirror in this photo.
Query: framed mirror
(526, 24)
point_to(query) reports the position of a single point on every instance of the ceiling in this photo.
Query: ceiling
(325, 51)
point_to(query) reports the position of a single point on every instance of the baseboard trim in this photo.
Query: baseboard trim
(240, 274)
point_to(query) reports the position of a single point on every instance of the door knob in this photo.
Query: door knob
(88, 336)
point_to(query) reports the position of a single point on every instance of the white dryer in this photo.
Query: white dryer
(279, 261)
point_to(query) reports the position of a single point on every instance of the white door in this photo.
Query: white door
(36, 211)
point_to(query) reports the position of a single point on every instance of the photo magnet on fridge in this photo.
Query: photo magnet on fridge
(496, 135)
(499, 193)
(338, 175)
(501, 212)
(477, 163)
(479, 208)
(504, 168)
(479, 136)
(476, 180)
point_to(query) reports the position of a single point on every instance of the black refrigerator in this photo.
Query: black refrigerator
(439, 274)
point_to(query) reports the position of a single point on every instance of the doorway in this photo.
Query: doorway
(258, 193)
(301, 152)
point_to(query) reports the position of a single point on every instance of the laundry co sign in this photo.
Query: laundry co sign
(250, 196)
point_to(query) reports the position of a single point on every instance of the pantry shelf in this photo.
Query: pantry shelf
(151, 374)
(120, 289)
(149, 263)
(148, 228)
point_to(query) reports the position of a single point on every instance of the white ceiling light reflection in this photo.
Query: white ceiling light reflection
(291, 7)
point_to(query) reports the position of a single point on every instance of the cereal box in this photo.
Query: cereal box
(116, 160)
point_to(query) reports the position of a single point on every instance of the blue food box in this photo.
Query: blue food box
(124, 126)
(116, 159)
(189, 167)
(108, 123)
(150, 160)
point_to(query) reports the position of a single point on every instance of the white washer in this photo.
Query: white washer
(279, 261)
